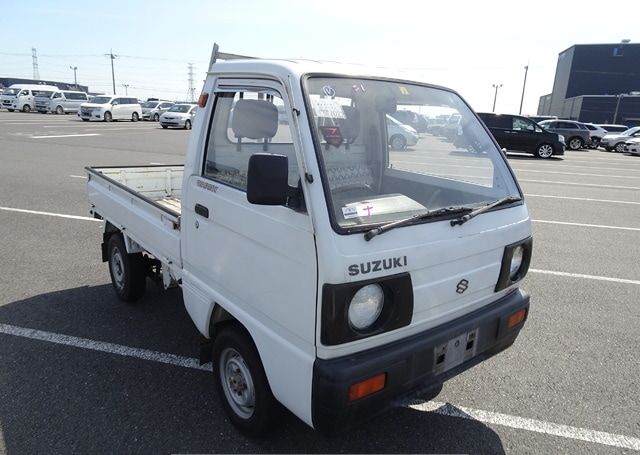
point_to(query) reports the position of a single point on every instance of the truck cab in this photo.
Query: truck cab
(325, 269)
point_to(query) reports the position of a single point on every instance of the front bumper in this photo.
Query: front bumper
(409, 364)
(632, 148)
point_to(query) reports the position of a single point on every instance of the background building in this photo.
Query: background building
(9, 81)
(597, 83)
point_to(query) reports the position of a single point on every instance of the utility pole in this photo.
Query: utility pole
(34, 58)
(75, 79)
(615, 116)
(192, 89)
(524, 84)
(495, 96)
(113, 75)
(126, 89)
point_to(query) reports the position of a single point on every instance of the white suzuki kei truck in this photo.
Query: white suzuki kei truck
(325, 270)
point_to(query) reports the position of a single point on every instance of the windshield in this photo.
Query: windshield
(101, 100)
(150, 104)
(11, 91)
(630, 131)
(181, 108)
(43, 93)
(376, 170)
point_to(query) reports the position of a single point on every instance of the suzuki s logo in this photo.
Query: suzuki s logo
(462, 286)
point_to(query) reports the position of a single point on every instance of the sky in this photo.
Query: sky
(468, 46)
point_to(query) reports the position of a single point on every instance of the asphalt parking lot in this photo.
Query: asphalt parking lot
(81, 372)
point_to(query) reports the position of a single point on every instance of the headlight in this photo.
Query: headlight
(516, 261)
(365, 307)
(561, 138)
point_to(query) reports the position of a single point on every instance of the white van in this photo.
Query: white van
(60, 101)
(325, 270)
(21, 97)
(107, 108)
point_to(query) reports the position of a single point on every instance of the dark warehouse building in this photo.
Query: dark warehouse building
(9, 81)
(597, 83)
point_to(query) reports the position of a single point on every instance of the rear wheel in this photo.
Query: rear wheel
(187, 124)
(135, 117)
(26, 108)
(241, 382)
(59, 110)
(128, 271)
(544, 151)
(575, 143)
(398, 142)
(107, 116)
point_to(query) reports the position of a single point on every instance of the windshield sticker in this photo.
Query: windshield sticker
(349, 212)
(332, 135)
(358, 88)
(403, 90)
(329, 108)
(329, 91)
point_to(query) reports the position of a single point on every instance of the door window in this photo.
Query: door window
(247, 122)
(522, 124)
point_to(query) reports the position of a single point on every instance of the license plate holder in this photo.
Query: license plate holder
(455, 351)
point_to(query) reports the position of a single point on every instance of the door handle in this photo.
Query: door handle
(202, 211)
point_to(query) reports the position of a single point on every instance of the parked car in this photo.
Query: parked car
(576, 134)
(514, 132)
(614, 128)
(413, 119)
(21, 97)
(632, 146)
(597, 133)
(179, 116)
(400, 135)
(60, 101)
(152, 110)
(107, 108)
(540, 118)
(615, 141)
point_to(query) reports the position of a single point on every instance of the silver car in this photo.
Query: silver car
(400, 135)
(152, 110)
(616, 141)
(179, 116)
(576, 134)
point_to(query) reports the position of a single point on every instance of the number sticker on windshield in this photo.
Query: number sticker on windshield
(328, 108)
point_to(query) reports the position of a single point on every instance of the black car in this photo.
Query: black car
(517, 133)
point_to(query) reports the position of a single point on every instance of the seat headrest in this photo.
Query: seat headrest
(254, 119)
(350, 124)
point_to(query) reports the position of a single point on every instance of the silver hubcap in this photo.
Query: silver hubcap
(397, 143)
(117, 268)
(545, 151)
(620, 147)
(237, 383)
(575, 144)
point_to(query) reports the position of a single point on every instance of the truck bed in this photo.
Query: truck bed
(143, 202)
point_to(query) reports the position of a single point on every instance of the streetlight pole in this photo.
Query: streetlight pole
(524, 84)
(126, 89)
(495, 96)
(615, 116)
(75, 79)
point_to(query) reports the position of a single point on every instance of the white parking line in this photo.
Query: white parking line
(536, 426)
(65, 135)
(582, 199)
(446, 409)
(586, 277)
(59, 215)
(78, 176)
(582, 184)
(600, 226)
(635, 177)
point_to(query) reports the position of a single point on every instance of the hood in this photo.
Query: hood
(179, 115)
(93, 105)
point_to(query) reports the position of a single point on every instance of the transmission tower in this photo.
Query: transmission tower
(192, 89)
(34, 56)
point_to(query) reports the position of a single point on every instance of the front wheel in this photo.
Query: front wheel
(26, 108)
(156, 117)
(398, 142)
(620, 147)
(164, 127)
(128, 272)
(108, 117)
(575, 143)
(85, 119)
(187, 124)
(241, 382)
(135, 117)
(59, 110)
(10, 110)
(544, 151)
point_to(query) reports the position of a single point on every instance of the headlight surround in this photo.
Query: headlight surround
(366, 306)
(515, 263)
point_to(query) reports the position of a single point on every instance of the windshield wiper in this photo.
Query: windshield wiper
(473, 213)
(420, 216)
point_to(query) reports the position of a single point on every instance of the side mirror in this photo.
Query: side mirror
(267, 179)
(115, 103)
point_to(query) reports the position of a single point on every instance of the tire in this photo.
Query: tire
(619, 147)
(85, 119)
(10, 110)
(544, 151)
(609, 149)
(156, 117)
(241, 383)
(107, 116)
(575, 143)
(187, 124)
(135, 117)
(164, 127)
(26, 108)
(398, 142)
(128, 271)
(59, 110)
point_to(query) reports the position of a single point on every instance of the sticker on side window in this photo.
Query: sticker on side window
(358, 210)
(349, 212)
(323, 107)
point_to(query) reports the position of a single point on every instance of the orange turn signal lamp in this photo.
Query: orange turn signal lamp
(516, 318)
(367, 387)
(202, 101)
